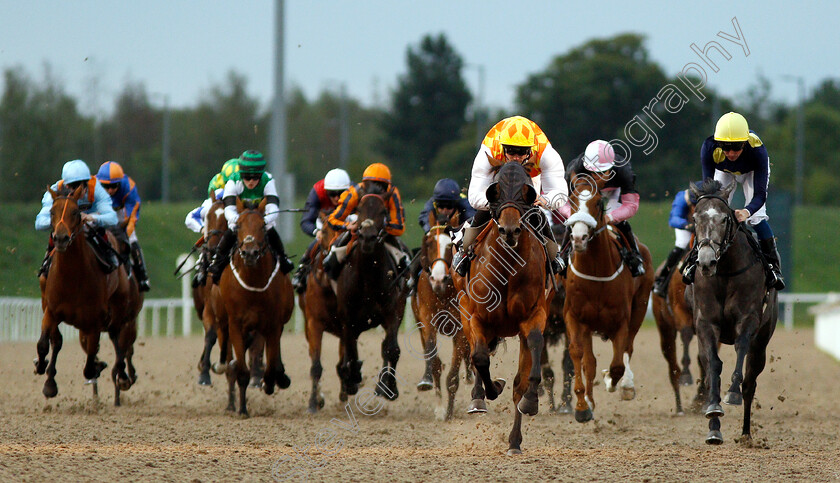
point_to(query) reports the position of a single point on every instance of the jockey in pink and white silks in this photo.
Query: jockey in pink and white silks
(600, 159)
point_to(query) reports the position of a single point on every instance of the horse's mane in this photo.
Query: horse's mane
(64, 190)
(710, 187)
(250, 204)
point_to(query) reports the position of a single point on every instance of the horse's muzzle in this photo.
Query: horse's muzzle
(510, 234)
(707, 261)
(250, 256)
(61, 242)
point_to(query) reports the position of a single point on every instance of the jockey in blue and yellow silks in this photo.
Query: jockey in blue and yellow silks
(126, 202)
(736, 154)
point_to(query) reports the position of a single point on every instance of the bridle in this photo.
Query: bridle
(61, 221)
(441, 229)
(249, 239)
(370, 222)
(731, 230)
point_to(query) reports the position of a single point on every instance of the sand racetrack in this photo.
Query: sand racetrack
(169, 428)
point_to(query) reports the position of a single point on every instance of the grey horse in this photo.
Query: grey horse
(730, 302)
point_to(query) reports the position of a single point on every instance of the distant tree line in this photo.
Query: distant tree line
(429, 129)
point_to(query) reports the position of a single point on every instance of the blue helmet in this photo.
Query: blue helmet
(73, 171)
(447, 190)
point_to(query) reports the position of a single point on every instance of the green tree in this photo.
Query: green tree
(428, 111)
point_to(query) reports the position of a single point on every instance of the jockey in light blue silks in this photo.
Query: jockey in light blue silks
(95, 204)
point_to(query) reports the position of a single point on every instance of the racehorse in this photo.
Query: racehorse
(77, 292)
(433, 303)
(601, 296)
(212, 313)
(730, 302)
(320, 310)
(673, 316)
(555, 329)
(256, 297)
(505, 295)
(371, 293)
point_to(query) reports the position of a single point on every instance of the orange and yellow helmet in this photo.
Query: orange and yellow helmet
(377, 172)
(518, 131)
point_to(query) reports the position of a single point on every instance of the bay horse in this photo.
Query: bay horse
(320, 310)
(673, 316)
(210, 310)
(370, 293)
(77, 292)
(601, 296)
(731, 304)
(432, 305)
(554, 333)
(256, 297)
(506, 295)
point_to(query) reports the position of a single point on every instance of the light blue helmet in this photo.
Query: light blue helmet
(73, 171)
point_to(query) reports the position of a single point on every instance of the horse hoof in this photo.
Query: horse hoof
(733, 399)
(255, 382)
(714, 437)
(583, 416)
(50, 389)
(312, 409)
(124, 384)
(244, 415)
(499, 384)
(528, 407)
(686, 379)
(230, 408)
(628, 393)
(514, 452)
(283, 381)
(88, 382)
(204, 379)
(342, 396)
(425, 385)
(714, 411)
(219, 368)
(477, 406)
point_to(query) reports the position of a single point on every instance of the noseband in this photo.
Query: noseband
(729, 233)
(263, 246)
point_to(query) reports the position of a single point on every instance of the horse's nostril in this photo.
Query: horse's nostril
(501, 230)
(517, 231)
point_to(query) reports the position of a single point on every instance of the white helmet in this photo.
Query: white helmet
(599, 156)
(336, 179)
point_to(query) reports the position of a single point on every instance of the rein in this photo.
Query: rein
(729, 238)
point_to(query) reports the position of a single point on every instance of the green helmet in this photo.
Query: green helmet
(252, 161)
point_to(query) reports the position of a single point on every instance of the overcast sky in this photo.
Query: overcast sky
(181, 48)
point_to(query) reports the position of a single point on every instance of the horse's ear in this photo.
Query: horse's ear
(728, 190)
(262, 205)
(239, 204)
(52, 193)
(693, 188)
(529, 194)
(213, 196)
(432, 220)
(388, 194)
(492, 193)
(455, 219)
(77, 193)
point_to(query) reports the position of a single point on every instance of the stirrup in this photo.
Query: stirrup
(774, 279)
(659, 286)
(461, 263)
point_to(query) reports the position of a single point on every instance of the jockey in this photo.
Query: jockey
(126, 202)
(323, 196)
(252, 182)
(683, 228)
(94, 203)
(514, 139)
(445, 201)
(376, 179)
(620, 190)
(196, 218)
(735, 153)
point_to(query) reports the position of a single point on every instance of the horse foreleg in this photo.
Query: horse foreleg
(223, 337)
(616, 370)
(565, 406)
(431, 377)
(530, 350)
(50, 335)
(237, 370)
(755, 365)
(709, 359)
(210, 337)
(256, 349)
(387, 385)
(733, 395)
(521, 385)
(460, 347)
(667, 342)
(686, 334)
(548, 378)
(314, 337)
(481, 361)
(349, 366)
(275, 373)
(118, 375)
(576, 335)
(589, 368)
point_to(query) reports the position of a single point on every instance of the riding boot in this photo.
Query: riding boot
(200, 276)
(774, 266)
(461, 260)
(139, 267)
(299, 278)
(99, 238)
(276, 243)
(689, 267)
(45, 265)
(659, 285)
(632, 256)
(220, 258)
(552, 249)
